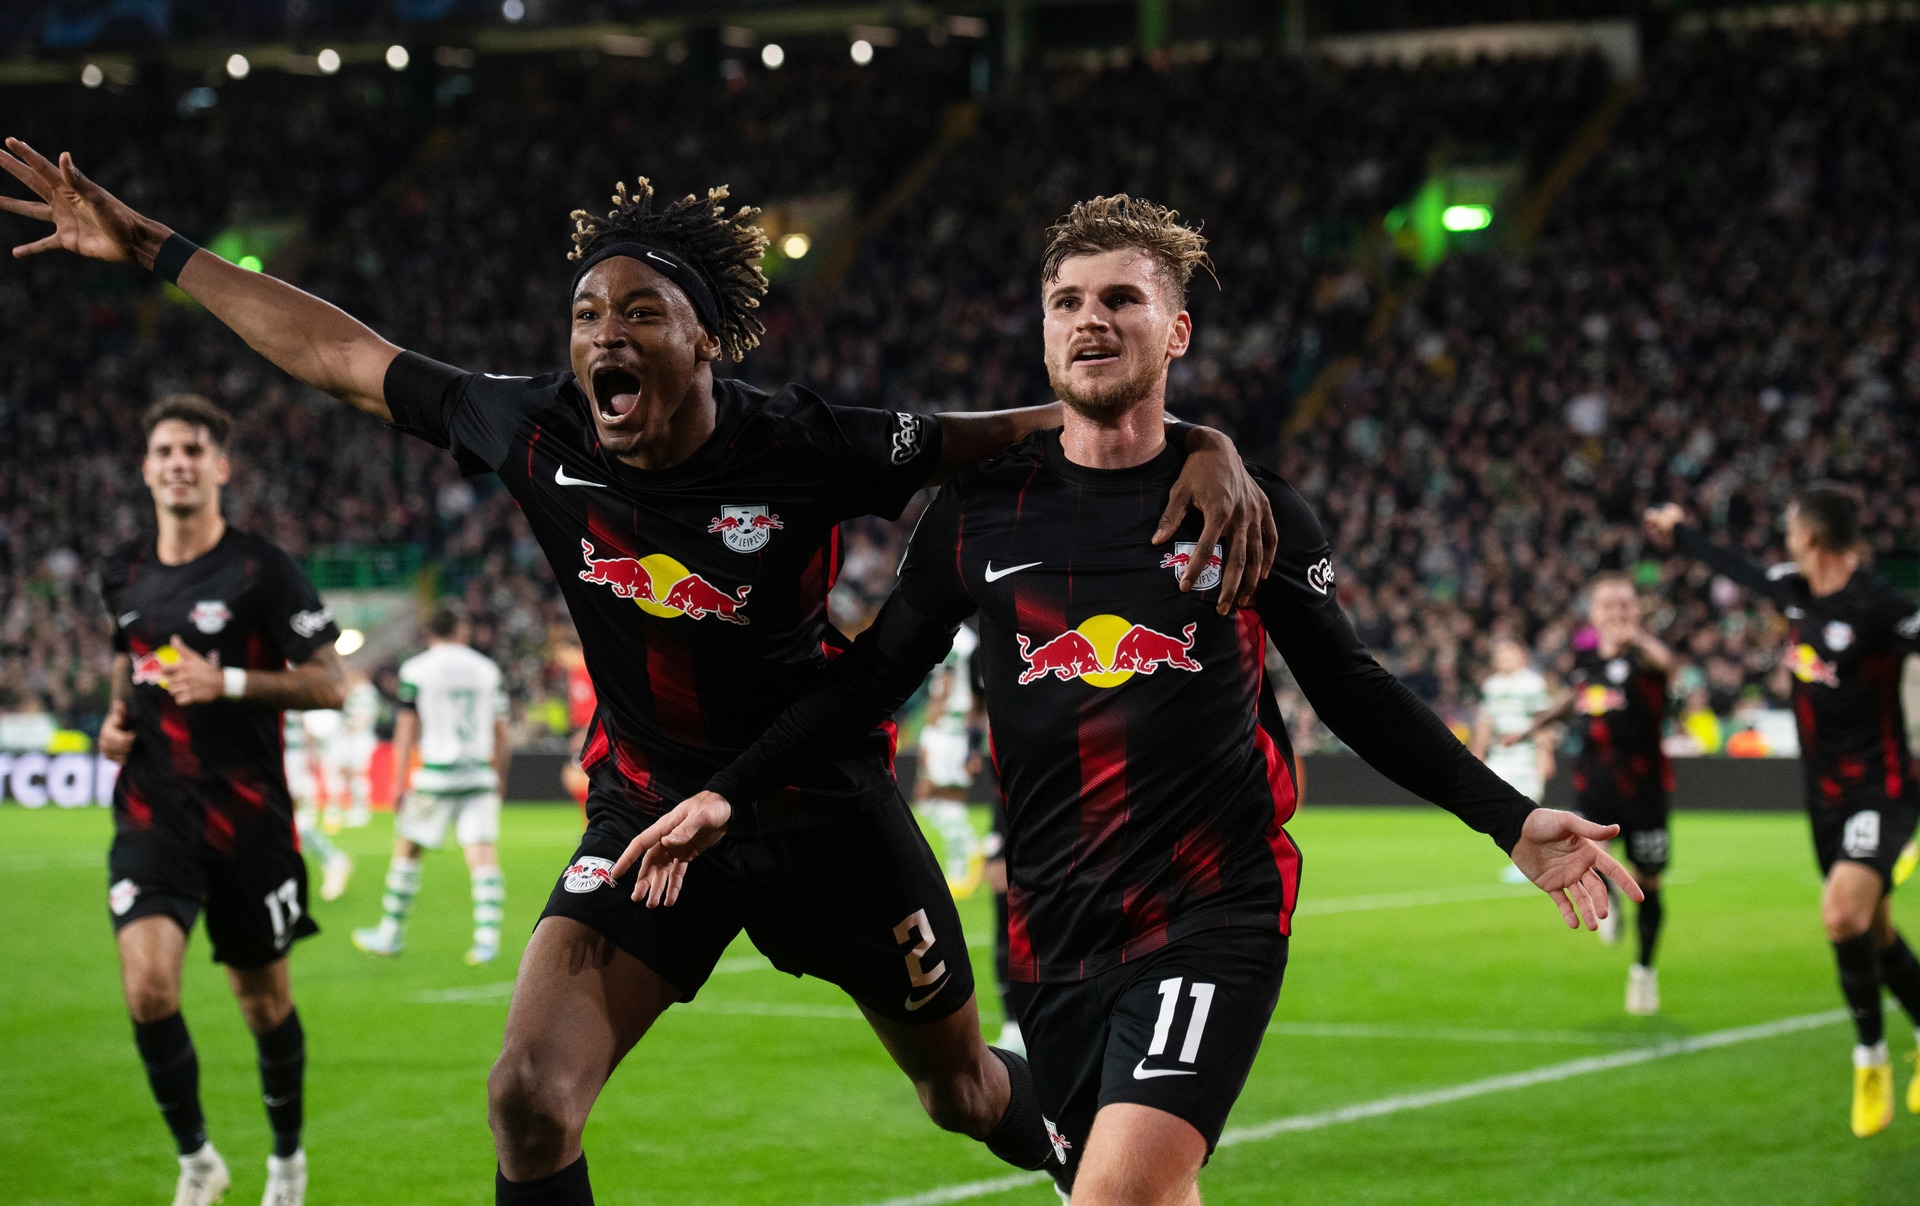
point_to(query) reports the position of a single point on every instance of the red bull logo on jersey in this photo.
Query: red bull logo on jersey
(662, 586)
(150, 668)
(1809, 667)
(745, 529)
(1105, 651)
(1183, 555)
(1596, 700)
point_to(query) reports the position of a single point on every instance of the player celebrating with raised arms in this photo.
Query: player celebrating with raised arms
(1622, 776)
(1849, 632)
(1146, 766)
(214, 632)
(693, 525)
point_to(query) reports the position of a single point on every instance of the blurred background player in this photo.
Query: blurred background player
(1621, 775)
(1849, 631)
(994, 872)
(201, 814)
(351, 754)
(304, 785)
(1510, 698)
(452, 707)
(945, 773)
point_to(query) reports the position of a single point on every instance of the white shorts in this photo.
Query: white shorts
(943, 758)
(1522, 773)
(425, 815)
(300, 782)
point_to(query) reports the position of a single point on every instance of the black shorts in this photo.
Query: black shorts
(255, 896)
(859, 902)
(1176, 1030)
(1642, 821)
(1867, 830)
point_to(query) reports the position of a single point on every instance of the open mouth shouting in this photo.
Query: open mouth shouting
(1096, 354)
(616, 392)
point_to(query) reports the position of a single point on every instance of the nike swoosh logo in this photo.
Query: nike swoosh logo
(129, 618)
(994, 575)
(1142, 1072)
(505, 377)
(560, 478)
(913, 1005)
(277, 1102)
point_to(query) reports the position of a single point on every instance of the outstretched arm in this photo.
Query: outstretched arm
(1668, 529)
(1398, 735)
(318, 682)
(310, 339)
(863, 687)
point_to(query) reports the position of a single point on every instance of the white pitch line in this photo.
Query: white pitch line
(1403, 1102)
(1411, 900)
(1452, 1034)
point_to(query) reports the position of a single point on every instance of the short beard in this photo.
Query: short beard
(1107, 402)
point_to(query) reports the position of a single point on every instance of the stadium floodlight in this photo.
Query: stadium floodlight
(251, 263)
(513, 10)
(328, 61)
(862, 51)
(1466, 217)
(349, 642)
(238, 67)
(796, 245)
(91, 76)
(772, 56)
(397, 57)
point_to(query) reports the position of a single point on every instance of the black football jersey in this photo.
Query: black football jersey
(1620, 708)
(211, 771)
(1145, 765)
(1845, 652)
(700, 590)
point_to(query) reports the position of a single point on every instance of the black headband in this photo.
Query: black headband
(667, 264)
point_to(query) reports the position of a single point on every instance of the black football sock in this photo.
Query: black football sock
(283, 1068)
(1020, 1137)
(568, 1187)
(1651, 914)
(1900, 971)
(1860, 984)
(173, 1069)
(1002, 948)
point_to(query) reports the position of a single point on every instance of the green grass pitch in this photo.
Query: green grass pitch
(1413, 969)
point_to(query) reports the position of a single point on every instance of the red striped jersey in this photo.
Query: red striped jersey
(1146, 768)
(699, 591)
(1619, 708)
(213, 770)
(1845, 651)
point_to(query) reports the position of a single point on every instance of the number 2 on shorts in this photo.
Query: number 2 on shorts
(1196, 1025)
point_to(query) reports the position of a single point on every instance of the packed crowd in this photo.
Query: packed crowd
(1721, 305)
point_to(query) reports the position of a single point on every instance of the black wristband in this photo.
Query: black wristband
(174, 254)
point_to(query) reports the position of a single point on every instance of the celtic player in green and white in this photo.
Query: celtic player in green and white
(453, 706)
(1510, 698)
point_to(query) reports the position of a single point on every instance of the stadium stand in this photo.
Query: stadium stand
(1510, 411)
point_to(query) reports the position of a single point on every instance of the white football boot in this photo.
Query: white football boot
(286, 1180)
(334, 874)
(1643, 991)
(203, 1178)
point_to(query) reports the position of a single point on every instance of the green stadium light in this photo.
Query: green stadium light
(251, 263)
(1466, 217)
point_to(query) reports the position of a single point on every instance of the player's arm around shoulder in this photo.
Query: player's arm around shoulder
(308, 338)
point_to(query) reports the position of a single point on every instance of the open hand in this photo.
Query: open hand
(1236, 515)
(1659, 523)
(87, 219)
(116, 739)
(1565, 856)
(193, 679)
(665, 848)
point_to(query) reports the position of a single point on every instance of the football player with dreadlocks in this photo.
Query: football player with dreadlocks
(692, 522)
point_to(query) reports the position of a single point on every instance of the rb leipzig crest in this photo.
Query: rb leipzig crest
(1182, 556)
(745, 529)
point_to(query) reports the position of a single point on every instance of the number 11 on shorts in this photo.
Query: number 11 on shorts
(1202, 995)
